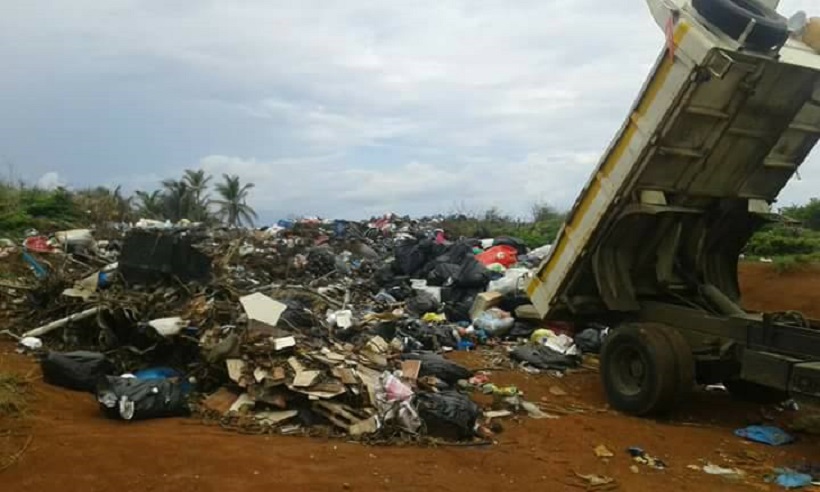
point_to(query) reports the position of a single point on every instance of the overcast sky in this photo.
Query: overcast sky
(342, 108)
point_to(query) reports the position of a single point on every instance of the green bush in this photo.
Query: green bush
(538, 231)
(782, 240)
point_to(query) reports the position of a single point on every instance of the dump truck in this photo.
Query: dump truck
(651, 246)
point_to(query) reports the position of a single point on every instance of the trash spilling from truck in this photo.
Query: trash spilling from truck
(314, 328)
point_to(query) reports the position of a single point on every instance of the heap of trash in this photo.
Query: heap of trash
(308, 327)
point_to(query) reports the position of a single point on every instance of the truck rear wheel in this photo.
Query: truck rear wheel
(733, 18)
(640, 370)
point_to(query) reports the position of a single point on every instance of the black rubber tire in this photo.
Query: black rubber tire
(649, 348)
(755, 393)
(684, 361)
(733, 16)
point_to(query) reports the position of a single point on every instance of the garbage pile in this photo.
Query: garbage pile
(310, 327)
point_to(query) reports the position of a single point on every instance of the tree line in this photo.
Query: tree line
(193, 196)
(188, 197)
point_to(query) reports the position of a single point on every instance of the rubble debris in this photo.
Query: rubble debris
(220, 401)
(305, 325)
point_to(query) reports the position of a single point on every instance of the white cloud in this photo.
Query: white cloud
(349, 107)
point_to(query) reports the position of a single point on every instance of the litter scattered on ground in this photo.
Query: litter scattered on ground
(602, 451)
(595, 480)
(642, 457)
(772, 436)
(730, 473)
(790, 479)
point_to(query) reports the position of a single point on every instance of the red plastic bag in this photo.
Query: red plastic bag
(503, 254)
(38, 244)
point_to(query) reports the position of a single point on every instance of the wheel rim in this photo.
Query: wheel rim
(629, 370)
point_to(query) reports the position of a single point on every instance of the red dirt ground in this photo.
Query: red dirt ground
(72, 448)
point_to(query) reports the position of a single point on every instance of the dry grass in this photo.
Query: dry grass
(13, 395)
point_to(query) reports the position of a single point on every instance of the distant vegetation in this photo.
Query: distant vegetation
(540, 228)
(196, 196)
(794, 240)
(23, 207)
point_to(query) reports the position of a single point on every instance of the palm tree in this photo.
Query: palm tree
(177, 199)
(197, 182)
(151, 205)
(233, 207)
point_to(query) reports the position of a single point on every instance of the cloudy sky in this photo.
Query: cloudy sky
(338, 108)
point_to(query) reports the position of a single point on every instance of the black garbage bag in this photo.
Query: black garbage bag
(514, 242)
(456, 253)
(139, 399)
(438, 366)
(472, 274)
(443, 274)
(514, 300)
(544, 357)
(411, 256)
(296, 315)
(459, 310)
(78, 371)
(448, 413)
(589, 341)
(422, 302)
(149, 256)
(521, 330)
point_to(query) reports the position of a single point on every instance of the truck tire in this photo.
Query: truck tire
(753, 392)
(684, 361)
(733, 17)
(639, 369)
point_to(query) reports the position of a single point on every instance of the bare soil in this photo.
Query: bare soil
(71, 447)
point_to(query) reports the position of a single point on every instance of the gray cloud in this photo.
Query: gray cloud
(335, 108)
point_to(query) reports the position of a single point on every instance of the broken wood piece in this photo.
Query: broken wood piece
(275, 376)
(346, 375)
(244, 400)
(294, 364)
(274, 396)
(259, 374)
(220, 401)
(263, 312)
(273, 418)
(333, 356)
(283, 343)
(377, 345)
(410, 369)
(236, 368)
(354, 422)
(61, 323)
(305, 379)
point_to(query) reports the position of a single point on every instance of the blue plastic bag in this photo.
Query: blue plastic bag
(765, 434)
(791, 479)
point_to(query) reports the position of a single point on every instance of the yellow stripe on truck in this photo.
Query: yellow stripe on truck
(611, 161)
